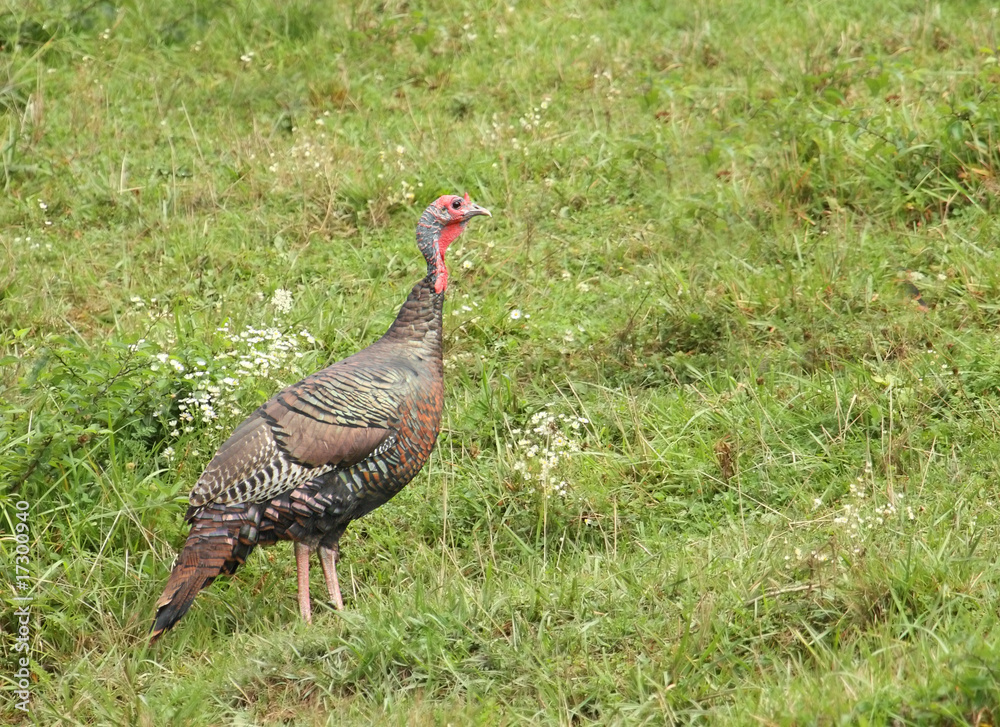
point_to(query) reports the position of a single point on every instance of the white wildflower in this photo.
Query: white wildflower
(281, 300)
(542, 448)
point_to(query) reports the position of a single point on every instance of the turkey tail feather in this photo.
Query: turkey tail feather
(219, 542)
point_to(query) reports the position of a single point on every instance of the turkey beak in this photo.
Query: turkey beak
(475, 210)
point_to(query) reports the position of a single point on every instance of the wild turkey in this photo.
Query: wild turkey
(329, 449)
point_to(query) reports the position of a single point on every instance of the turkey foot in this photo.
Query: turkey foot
(328, 558)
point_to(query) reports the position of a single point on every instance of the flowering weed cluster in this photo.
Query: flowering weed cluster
(311, 152)
(282, 301)
(864, 513)
(542, 449)
(522, 137)
(405, 195)
(394, 164)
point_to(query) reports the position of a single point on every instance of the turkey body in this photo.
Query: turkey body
(329, 449)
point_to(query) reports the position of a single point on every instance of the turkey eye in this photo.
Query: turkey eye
(456, 204)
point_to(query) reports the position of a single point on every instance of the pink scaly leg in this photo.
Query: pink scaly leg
(328, 558)
(302, 566)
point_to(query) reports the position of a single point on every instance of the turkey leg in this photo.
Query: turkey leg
(328, 558)
(302, 566)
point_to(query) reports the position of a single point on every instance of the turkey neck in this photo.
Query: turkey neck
(418, 324)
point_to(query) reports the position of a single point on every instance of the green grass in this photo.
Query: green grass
(714, 219)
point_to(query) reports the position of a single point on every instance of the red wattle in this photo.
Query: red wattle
(441, 282)
(448, 235)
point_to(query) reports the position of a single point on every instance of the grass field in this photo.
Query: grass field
(720, 440)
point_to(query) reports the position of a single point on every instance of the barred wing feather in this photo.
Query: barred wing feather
(333, 419)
